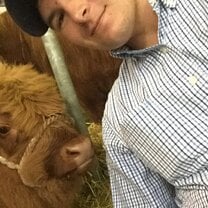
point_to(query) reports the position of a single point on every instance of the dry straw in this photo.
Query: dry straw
(96, 191)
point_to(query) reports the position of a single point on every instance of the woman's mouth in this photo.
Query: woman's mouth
(94, 29)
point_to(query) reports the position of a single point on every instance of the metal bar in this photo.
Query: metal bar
(64, 82)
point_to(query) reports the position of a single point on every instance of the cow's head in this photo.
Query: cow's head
(36, 137)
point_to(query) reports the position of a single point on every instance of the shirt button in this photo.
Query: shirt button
(192, 80)
(164, 49)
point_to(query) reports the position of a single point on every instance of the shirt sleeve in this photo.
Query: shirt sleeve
(132, 183)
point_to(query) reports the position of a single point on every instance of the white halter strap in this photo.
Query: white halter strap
(31, 144)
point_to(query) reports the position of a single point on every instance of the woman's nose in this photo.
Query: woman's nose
(82, 14)
(78, 12)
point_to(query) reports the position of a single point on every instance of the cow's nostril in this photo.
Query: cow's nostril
(70, 152)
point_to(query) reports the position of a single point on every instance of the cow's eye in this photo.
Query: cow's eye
(4, 130)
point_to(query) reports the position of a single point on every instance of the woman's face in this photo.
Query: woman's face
(101, 24)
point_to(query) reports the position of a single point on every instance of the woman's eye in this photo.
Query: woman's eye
(4, 130)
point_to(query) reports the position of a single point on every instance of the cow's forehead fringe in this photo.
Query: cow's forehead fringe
(27, 94)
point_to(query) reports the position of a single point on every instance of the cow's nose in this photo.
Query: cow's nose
(68, 152)
(77, 154)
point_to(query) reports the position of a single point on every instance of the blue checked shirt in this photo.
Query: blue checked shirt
(155, 124)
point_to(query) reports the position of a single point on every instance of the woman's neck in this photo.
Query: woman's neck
(146, 26)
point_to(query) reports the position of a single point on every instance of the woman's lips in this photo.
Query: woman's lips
(98, 22)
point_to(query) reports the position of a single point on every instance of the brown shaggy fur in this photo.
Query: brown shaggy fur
(93, 72)
(27, 99)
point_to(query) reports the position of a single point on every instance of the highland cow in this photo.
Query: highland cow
(42, 156)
